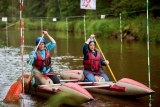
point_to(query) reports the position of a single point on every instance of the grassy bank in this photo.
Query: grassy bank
(136, 26)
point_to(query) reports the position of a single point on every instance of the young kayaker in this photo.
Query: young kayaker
(93, 61)
(41, 60)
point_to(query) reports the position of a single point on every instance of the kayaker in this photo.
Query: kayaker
(41, 60)
(93, 61)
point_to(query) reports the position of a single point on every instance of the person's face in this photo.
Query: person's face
(41, 46)
(92, 46)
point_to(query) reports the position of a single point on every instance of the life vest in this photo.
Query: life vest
(93, 62)
(40, 62)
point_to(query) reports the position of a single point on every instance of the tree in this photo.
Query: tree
(71, 8)
(53, 9)
(4, 8)
(36, 8)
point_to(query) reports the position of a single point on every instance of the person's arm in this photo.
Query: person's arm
(51, 44)
(88, 40)
(31, 58)
(85, 48)
(50, 37)
(103, 62)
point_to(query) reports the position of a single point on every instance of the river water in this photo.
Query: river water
(127, 60)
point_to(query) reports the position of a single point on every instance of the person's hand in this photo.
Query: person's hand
(106, 62)
(92, 36)
(31, 57)
(45, 32)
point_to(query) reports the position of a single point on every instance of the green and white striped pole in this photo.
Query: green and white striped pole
(148, 51)
(67, 32)
(120, 23)
(41, 25)
(84, 27)
(6, 34)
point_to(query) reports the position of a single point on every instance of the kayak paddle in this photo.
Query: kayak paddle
(14, 92)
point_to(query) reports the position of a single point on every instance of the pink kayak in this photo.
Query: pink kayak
(124, 87)
(46, 91)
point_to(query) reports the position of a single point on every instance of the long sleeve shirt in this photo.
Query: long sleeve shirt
(85, 52)
(49, 47)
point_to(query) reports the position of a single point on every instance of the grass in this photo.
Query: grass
(101, 27)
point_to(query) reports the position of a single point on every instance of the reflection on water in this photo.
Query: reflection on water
(130, 62)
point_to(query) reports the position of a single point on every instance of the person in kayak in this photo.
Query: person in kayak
(93, 61)
(41, 60)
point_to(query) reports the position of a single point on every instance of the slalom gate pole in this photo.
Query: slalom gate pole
(22, 40)
(148, 52)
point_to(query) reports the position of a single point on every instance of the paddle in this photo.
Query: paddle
(30, 77)
(97, 86)
(100, 86)
(36, 48)
(16, 88)
(105, 60)
(14, 92)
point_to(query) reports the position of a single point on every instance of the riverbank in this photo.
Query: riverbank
(133, 28)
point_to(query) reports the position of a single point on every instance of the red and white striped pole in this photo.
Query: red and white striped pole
(22, 40)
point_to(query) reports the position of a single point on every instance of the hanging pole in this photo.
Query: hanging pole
(59, 9)
(6, 34)
(84, 28)
(41, 25)
(22, 41)
(120, 23)
(148, 51)
(67, 32)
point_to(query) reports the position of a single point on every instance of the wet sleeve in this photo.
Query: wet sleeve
(50, 46)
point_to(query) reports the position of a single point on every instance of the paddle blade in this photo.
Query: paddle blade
(14, 92)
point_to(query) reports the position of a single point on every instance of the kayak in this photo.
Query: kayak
(46, 91)
(125, 87)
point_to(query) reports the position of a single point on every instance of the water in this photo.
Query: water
(130, 62)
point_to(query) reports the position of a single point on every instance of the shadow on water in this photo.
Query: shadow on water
(110, 101)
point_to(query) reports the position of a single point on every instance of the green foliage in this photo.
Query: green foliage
(102, 7)
(35, 8)
(124, 6)
(2, 25)
(79, 26)
(61, 26)
(136, 25)
(103, 27)
(4, 5)
(64, 99)
(53, 9)
(157, 38)
(70, 8)
(155, 30)
(32, 24)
